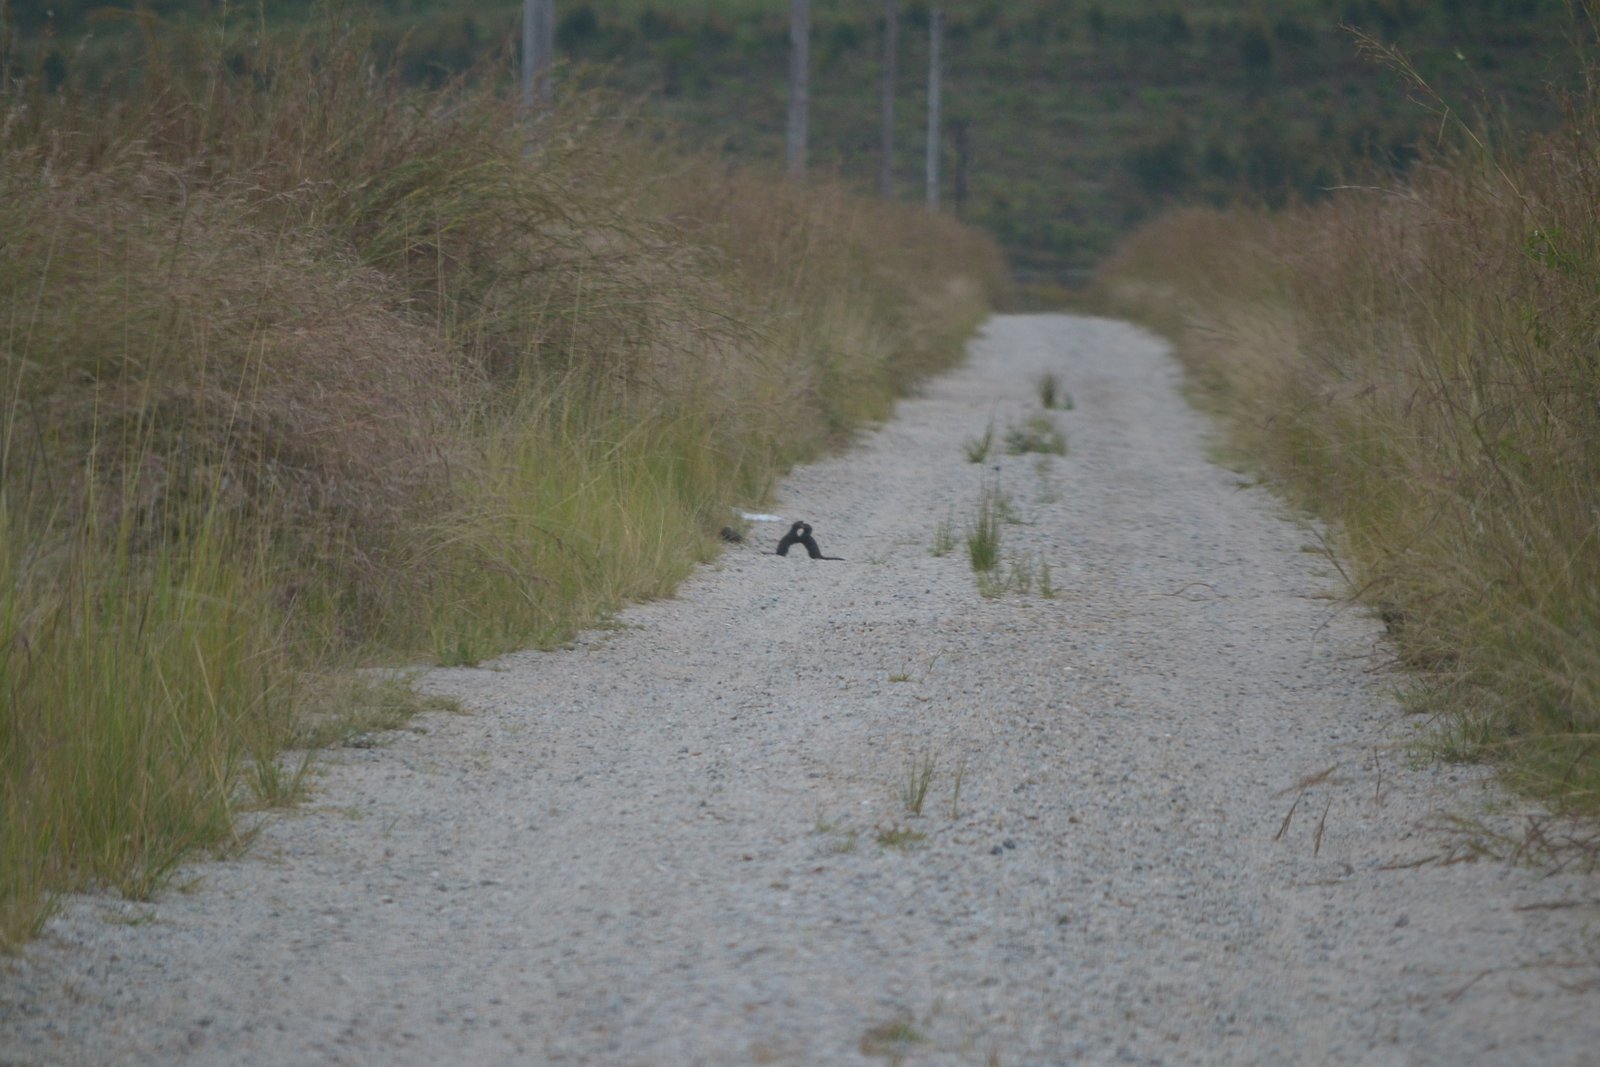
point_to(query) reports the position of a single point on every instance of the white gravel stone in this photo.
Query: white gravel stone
(662, 846)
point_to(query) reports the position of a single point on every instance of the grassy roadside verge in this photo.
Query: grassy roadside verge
(1417, 363)
(300, 369)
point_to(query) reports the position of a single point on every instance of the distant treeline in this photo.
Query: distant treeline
(1068, 123)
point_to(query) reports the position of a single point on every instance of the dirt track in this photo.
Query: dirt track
(684, 842)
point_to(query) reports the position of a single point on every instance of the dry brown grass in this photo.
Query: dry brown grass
(299, 367)
(1417, 362)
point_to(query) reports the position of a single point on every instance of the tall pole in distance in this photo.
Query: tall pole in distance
(799, 84)
(538, 53)
(547, 51)
(891, 51)
(530, 44)
(935, 34)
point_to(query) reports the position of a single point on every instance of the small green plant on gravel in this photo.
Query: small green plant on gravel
(1048, 386)
(955, 790)
(1046, 589)
(845, 842)
(899, 837)
(918, 777)
(1021, 576)
(900, 676)
(977, 448)
(1007, 510)
(1016, 577)
(892, 1039)
(1038, 434)
(983, 535)
(944, 537)
(1051, 395)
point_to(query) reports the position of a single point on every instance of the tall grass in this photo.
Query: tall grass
(300, 368)
(1418, 361)
(572, 514)
(143, 687)
(983, 532)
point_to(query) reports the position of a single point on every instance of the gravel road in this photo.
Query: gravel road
(1188, 829)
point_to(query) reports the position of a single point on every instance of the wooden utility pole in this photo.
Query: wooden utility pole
(935, 74)
(799, 84)
(538, 53)
(891, 56)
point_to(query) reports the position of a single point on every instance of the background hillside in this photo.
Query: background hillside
(1068, 121)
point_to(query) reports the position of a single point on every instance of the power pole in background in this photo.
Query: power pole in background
(891, 49)
(538, 53)
(799, 84)
(935, 34)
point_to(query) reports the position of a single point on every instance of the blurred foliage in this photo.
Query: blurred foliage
(1081, 120)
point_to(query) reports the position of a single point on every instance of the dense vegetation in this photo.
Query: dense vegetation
(1418, 362)
(303, 366)
(1069, 121)
(311, 352)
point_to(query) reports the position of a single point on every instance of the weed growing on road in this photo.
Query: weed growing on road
(845, 842)
(1018, 576)
(1051, 395)
(1021, 573)
(892, 1039)
(944, 537)
(1007, 510)
(977, 448)
(918, 777)
(955, 791)
(899, 837)
(983, 534)
(1038, 434)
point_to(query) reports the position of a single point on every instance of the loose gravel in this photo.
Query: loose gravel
(1172, 813)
